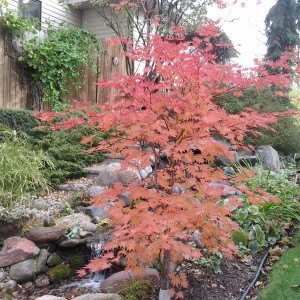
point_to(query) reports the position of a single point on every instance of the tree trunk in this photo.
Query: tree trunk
(164, 281)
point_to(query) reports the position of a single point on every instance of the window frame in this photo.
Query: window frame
(26, 14)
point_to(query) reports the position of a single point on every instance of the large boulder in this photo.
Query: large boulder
(85, 222)
(99, 296)
(16, 249)
(23, 271)
(112, 173)
(119, 280)
(107, 175)
(46, 234)
(269, 157)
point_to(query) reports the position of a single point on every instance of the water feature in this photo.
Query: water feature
(93, 280)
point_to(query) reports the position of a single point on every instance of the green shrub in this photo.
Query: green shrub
(68, 155)
(286, 139)
(17, 119)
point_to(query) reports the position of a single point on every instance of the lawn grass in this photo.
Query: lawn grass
(284, 280)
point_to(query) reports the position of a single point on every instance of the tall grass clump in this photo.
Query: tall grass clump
(21, 170)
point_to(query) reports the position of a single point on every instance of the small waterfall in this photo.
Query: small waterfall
(96, 249)
(93, 280)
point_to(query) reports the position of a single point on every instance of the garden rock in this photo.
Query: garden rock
(107, 175)
(126, 198)
(93, 172)
(23, 271)
(45, 234)
(96, 190)
(96, 213)
(16, 249)
(2, 274)
(145, 172)
(269, 157)
(245, 160)
(226, 189)
(53, 260)
(99, 296)
(74, 187)
(85, 222)
(50, 297)
(41, 261)
(49, 221)
(41, 204)
(42, 280)
(79, 209)
(112, 173)
(117, 281)
(71, 243)
(228, 171)
(223, 160)
(10, 285)
(59, 273)
(84, 234)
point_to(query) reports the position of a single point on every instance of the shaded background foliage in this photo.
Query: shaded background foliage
(286, 138)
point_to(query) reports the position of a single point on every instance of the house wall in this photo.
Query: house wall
(94, 22)
(55, 12)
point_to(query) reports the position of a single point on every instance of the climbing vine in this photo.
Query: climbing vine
(55, 61)
(59, 59)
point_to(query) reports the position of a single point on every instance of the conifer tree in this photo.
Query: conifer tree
(282, 28)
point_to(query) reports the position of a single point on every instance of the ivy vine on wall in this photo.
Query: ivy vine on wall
(57, 60)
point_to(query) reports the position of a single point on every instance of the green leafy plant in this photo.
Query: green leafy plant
(60, 59)
(137, 290)
(14, 23)
(262, 224)
(213, 262)
(251, 221)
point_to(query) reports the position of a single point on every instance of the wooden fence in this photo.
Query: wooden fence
(110, 62)
(13, 93)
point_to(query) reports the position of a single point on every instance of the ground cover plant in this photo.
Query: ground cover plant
(262, 224)
(67, 154)
(175, 116)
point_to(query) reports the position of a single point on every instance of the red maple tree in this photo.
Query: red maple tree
(176, 116)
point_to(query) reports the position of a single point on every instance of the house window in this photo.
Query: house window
(31, 9)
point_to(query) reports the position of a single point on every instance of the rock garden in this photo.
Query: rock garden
(158, 195)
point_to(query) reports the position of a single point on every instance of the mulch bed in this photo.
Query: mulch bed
(230, 284)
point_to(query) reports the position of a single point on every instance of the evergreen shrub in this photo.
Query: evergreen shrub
(286, 137)
(19, 119)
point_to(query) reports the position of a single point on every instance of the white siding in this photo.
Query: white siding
(13, 4)
(55, 12)
(52, 10)
(94, 22)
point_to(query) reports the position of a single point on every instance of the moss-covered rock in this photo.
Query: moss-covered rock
(59, 273)
(77, 261)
